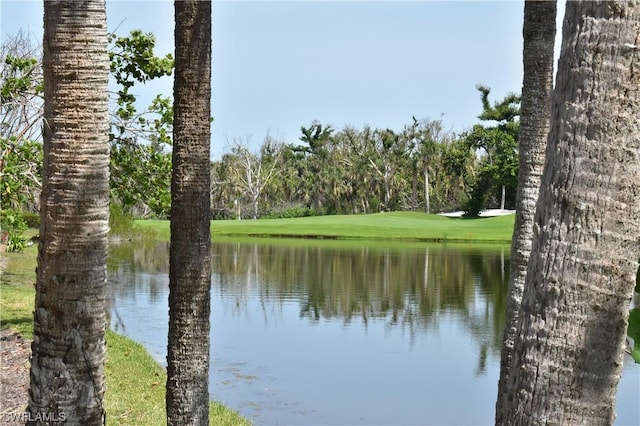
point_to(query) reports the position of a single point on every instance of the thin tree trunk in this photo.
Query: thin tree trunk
(255, 207)
(502, 198)
(414, 185)
(190, 254)
(427, 207)
(569, 343)
(67, 361)
(539, 31)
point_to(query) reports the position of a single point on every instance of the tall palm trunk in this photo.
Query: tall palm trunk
(67, 362)
(568, 349)
(539, 32)
(190, 252)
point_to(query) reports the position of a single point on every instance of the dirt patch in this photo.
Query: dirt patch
(14, 375)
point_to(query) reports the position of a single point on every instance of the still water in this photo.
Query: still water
(335, 333)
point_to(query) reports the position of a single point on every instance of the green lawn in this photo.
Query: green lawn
(135, 382)
(399, 226)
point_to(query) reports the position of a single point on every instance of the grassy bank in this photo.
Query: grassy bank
(398, 226)
(135, 382)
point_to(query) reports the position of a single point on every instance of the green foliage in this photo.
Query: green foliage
(20, 109)
(477, 201)
(140, 162)
(15, 243)
(349, 171)
(633, 331)
(293, 212)
(633, 327)
(505, 110)
(120, 223)
(12, 226)
(498, 147)
(133, 61)
(31, 219)
(140, 179)
(140, 138)
(19, 79)
(21, 173)
(316, 136)
(11, 220)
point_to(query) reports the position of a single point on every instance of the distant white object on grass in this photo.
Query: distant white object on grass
(484, 213)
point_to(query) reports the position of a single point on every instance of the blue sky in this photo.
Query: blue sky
(280, 65)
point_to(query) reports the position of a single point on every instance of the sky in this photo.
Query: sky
(281, 65)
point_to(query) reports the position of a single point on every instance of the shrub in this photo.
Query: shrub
(120, 222)
(15, 243)
(294, 212)
(12, 226)
(31, 219)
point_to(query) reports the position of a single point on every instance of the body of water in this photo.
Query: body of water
(338, 333)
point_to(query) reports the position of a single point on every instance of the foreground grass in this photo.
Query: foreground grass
(135, 382)
(136, 388)
(398, 226)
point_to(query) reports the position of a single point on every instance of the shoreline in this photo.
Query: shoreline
(135, 381)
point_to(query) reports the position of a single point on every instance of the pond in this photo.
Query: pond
(341, 333)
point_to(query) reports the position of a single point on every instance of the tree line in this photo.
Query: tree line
(420, 167)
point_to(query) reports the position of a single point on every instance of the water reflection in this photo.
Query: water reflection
(334, 334)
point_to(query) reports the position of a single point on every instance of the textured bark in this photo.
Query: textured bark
(190, 253)
(538, 32)
(568, 351)
(67, 363)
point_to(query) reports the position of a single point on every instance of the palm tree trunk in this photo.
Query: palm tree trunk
(539, 31)
(190, 253)
(569, 342)
(67, 362)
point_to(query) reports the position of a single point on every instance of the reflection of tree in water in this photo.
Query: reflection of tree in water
(406, 288)
(135, 269)
(485, 319)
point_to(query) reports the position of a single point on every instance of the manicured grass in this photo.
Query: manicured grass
(135, 382)
(402, 226)
(136, 388)
(17, 290)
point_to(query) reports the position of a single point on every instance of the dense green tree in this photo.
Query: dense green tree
(140, 139)
(317, 138)
(497, 145)
(349, 171)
